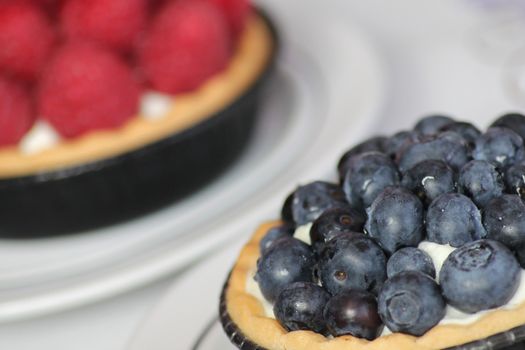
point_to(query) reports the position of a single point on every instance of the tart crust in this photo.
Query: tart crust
(248, 314)
(248, 62)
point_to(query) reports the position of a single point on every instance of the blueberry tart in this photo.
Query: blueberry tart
(121, 107)
(421, 248)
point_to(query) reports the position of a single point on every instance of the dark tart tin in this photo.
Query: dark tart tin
(513, 339)
(116, 189)
(230, 328)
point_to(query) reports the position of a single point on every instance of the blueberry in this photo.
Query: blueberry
(504, 220)
(275, 233)
(353, 313)
(376, 143)
(395, 219)
(334, 222)
(286, 211)
(351, 262)
(431, 125)
(307, 202)
(411, 302)
(396, 143)
(515, 179)
(429, 179)
(513, 121)
(300, 306)
(285, 262)
(367, 175)
(480, 275)
(468, 131)
(448, 146)
(499, 146)
(481, 181)
(520, 255)
(453, 219)
(410, 259)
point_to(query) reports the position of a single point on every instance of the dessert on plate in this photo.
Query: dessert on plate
(109, 109)
(421, 245)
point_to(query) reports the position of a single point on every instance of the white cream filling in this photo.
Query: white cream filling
(302, 233)
(438, 253)
(252, 288)
(42, 136)
(154, 105)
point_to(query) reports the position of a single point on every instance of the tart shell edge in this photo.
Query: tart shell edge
(247, 326)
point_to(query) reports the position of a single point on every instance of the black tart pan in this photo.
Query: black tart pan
(123, 187)
(513, 339)
(233, 332)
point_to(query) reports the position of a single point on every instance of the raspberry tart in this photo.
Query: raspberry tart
(121, 106)
(420, 245)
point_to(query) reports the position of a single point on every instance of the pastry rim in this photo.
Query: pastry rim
(248, 314)
(187, 110)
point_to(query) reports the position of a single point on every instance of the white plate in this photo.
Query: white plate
(324, 97)
(187, 315)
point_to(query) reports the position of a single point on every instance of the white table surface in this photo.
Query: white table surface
(434, 66)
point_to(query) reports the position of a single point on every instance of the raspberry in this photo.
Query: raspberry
(49, 4)
(51, 7)
(187, 43)
(26, 39)
(16, 111)
(115, 23)
(155, 5)
(85, 88)
(236, 12)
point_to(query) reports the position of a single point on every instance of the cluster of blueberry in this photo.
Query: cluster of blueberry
(444, 182)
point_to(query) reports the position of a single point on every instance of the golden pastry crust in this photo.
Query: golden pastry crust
(247, 64)
(249, 316)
